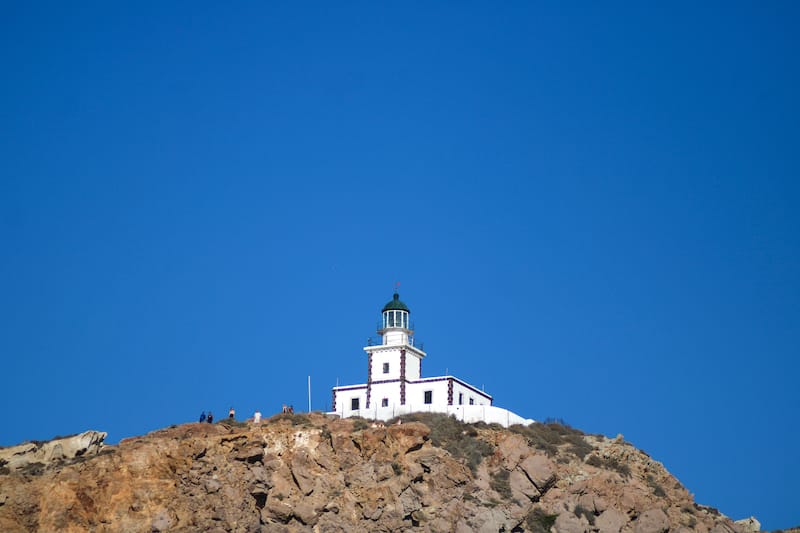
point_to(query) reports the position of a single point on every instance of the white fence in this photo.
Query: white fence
(466, 413)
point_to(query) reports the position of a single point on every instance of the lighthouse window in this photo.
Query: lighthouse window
(428, 396)
(354, 404)
(385, 368)
(385, 402)
(460, 398)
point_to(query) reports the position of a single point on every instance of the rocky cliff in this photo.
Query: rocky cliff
(314, 473)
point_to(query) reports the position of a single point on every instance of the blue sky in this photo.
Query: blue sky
(592, 210)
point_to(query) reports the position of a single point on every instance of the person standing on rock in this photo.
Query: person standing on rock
(231, 414)
(202, 417)
(210, 418)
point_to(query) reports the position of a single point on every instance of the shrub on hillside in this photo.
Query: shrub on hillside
(609, 463)
(658, 490)
(454, 436)
(549, 436)
(539, 521)
(297, 419)
(359, 423)
(500, 483)
(231, 423)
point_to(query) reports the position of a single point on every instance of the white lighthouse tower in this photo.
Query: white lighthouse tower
(395, 384)
(396, 362)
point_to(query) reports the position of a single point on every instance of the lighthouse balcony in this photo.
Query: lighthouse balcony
(384, 325)
(380, 341)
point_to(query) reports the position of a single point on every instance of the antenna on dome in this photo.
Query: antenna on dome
(396, 286)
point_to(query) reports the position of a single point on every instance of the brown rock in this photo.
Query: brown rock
(610, 521)
(492, 521)
(409, 437)
(569, 523)
(250, 454)
(277, 510)
(539, 469)
(323, 476)
(745, 525)
(521, 487)
(305, 472)
(512, 449)
(212, 485)
(45, 453)
(652, 521)
(305, 512)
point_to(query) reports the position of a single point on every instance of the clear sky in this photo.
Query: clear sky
(592, 209)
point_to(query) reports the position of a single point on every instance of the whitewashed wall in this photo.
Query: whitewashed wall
(381, 354)
(413, 366)
(395, 337)
(466, 413)
(468, 393)
(389, 356)
(344, 397)
(415, 393)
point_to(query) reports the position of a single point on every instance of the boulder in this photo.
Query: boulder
(540, 470)
(162, 521)
(82, 445)
(747, 525)
(305, 512)
(512, 449)
(276, 510)
(492, 521)
(652, 521)
(212, 485)
(304, 471)
(409, 437)
(521, 485)
(250, 454)
(569, 523)
(610, 521)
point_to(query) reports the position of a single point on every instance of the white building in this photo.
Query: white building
(395, 384)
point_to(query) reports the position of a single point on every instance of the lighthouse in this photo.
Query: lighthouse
(396, 362)
(395, 384)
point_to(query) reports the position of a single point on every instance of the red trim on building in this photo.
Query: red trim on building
(382, 381)
(450, 391)
(402, 376)
(354, 387)
(369, 378)
(456, 380)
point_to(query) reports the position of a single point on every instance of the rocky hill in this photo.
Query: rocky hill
(315, 473)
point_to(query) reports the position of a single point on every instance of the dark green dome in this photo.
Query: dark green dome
(395, 305)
